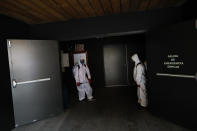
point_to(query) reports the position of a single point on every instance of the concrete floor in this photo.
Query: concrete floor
(114, 110)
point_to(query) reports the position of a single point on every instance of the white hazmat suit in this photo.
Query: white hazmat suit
(140, 79)
(82, 76)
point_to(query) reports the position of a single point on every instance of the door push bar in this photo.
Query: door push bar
(178, 75)
(15, 83)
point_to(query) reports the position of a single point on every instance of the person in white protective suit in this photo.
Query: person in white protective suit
(140, 79)
(83, 79)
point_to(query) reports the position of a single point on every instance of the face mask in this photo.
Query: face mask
(82, 61)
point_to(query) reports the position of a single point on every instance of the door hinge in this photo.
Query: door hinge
(9, 44)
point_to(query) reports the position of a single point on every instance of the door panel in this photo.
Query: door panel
(115, 65)
(35, 60)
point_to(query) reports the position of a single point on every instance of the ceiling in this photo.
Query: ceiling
(46, 11)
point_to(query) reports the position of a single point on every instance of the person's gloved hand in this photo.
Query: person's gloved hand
(78, 83)
(89, 80)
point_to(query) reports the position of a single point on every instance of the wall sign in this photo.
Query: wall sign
(65, 60)
(173, 61)
(79, 47)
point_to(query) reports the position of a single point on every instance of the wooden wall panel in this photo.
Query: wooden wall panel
(17, 13)
(76, 6)
(116, 6)
(17, 16)
(144, 4)
(161, 3)
(33, 7)
(22, 8)
(67, 9)
(42, 5)
(45, 11)
(54, 6)
(134, 5)
(125, 5)
(28, 7)
(107, 6)
(154, 4)
(87, 7)
(96, 5)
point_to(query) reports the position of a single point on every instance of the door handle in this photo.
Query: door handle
(15, 83)
(178, 75)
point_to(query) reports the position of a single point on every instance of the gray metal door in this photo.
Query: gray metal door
(115, 65)
(35, 79)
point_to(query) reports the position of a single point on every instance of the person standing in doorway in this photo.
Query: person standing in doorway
(140, 79)
(83, 79)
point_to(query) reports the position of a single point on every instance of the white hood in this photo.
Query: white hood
(135, 58)
(79, 62)
(82, 73)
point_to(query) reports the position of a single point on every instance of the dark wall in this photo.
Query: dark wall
(189, 10)
(9, 29)
(173, 98)
(106, 25)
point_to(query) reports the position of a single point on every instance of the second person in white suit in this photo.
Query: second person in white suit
(83, 79)
(140, 79)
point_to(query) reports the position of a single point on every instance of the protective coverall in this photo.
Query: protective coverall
(140, 79)
(82, 77)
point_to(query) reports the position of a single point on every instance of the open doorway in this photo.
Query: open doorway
(109, 63)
